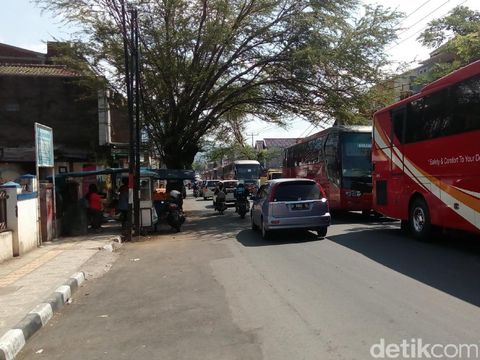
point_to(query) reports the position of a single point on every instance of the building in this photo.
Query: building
(407, 83)
(90, 126)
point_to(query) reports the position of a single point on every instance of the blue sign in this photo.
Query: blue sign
(44, 145)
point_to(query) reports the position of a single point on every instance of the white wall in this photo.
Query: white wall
(27, 225)
(6, 245)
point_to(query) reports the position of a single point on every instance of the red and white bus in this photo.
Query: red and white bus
(426, 156)
(339, 159)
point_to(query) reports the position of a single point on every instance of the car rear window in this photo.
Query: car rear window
(212, 183)
(230, 184)
(296, 191)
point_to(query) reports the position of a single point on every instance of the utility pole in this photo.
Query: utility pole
(131, 158)
(132, 75)
(136, 70)
(252, 135)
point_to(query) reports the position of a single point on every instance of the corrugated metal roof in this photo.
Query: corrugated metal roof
(279, 142)
(37, 70)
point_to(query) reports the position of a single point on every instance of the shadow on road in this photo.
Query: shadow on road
(450, 264)
(348, 217)
(253, 238)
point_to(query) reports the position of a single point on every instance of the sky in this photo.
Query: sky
(24, 25)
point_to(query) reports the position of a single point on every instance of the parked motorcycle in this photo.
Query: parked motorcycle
(170, 211)
(242, 207)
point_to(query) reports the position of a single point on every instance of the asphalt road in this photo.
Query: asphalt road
(217, 291)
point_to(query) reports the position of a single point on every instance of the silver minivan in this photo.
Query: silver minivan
(208, 188)
(290, 204)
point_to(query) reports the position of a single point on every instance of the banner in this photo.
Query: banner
(44, 145)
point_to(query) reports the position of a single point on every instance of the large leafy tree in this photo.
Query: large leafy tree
(207, 63)
(458, 34)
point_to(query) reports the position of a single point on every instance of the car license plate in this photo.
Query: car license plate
(300, 207)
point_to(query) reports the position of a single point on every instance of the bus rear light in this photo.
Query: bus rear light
(275, 222)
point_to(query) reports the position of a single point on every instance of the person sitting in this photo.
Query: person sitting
(240, 192)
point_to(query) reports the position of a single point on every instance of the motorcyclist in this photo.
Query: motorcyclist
(240, 194)
(219, 195)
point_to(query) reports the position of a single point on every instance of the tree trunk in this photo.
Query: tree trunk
(177, 157)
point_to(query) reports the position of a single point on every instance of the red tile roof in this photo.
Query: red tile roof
(13, 54)
(37, 70)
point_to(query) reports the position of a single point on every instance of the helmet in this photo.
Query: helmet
(175, 194)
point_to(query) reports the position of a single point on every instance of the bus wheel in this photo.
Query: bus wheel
(420, 220)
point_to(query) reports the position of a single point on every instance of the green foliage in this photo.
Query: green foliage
(233, 151)
(209, 64)
(458, 34)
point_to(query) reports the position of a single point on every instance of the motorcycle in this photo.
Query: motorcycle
(242, 207)
(170, 211)
(220, 204)
(196, 191)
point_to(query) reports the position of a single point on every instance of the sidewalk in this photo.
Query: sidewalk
(28, 280)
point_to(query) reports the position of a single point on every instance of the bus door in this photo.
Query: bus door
(397, 185)
(332, 161)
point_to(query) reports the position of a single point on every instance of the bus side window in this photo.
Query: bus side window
(331, 157)
(414, 121)
(398, 124)
(465, 106)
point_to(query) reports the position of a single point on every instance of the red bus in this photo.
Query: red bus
(339, 159)
(426, 156)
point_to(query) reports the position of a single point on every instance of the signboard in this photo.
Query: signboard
(44, 145)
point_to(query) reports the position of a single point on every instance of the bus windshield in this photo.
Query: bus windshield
(356, 155)
(248, 171)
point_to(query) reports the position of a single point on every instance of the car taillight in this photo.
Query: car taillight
(172, 206)
(271, 198)
(206, 189)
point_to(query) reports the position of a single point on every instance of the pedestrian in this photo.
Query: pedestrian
(122, 205)
(94, 211)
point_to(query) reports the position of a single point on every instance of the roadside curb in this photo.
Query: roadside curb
(14, 339)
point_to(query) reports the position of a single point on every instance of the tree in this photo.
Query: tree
(204, 60)
(458, 34)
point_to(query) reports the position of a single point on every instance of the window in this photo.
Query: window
(398, 117)
(447, 112)
(296, 191)
(465, 104)
(356, 154)
(332, 159)
(414, 120)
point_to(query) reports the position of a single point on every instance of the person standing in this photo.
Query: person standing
(122, 206)
(95, 212)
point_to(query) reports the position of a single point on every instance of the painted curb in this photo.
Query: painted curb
(14, 339)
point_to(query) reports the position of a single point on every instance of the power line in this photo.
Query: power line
(313, 129)
(425, 27)
(418, 8)
(419, 21)
(303, 133)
